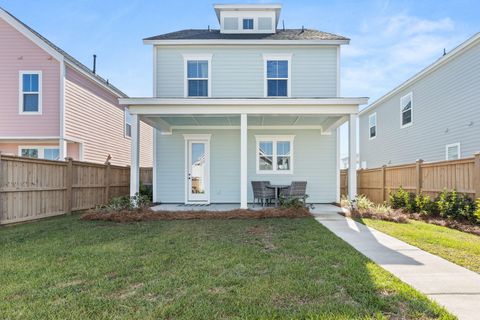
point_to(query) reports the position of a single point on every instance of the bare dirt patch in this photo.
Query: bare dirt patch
(149, 215)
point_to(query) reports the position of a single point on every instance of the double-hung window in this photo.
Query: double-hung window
(197, 78)
(30, 95)
(274, 154)
(40, 152)
(406, 110)
(372, 125)
(128, 124)
(277, 78)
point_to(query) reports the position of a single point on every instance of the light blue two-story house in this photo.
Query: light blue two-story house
(433, 116)
(244, 102)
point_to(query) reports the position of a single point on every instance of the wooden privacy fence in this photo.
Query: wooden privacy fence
(35, 188)
(419, 177)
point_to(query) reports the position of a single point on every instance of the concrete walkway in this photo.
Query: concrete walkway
(450, 285)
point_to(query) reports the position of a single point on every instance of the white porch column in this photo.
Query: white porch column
(352, 156)
(243, 161)
(135, 156)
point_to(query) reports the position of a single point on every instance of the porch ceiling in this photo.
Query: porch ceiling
(322, 122)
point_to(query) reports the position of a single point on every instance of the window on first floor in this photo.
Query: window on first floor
(30, 86)
(128, 124)
(372, 125)
(274, 154)
(406, 110)
(452, 151)
(40, 152)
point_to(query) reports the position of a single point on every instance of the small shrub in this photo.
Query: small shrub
(476, 213)
(425, 205)
(126, 203)
(146, 190)
(453, 205)
(402, 199)
(295, 203)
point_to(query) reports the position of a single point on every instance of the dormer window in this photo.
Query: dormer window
(247, 24)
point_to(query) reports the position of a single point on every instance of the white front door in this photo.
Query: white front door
(198, 171)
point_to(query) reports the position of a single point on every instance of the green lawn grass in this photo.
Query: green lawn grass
(456, 246)
(64, 268)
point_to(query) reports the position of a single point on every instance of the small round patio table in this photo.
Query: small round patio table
(277, 188)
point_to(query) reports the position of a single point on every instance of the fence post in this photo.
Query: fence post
(384, 171)
(69, 183)
(476, 176)
(107, 182)
(419, 181)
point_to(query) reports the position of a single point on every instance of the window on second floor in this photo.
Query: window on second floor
(128, 124)
(406, 110)
(277, 78)
(197, 78)
(30, 97)
(452, 151)
(372, 125)
(247, 24)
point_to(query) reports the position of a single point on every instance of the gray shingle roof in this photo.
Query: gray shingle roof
(287, 34)
(69, 57)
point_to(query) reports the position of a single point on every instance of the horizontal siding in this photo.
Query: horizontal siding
(446, 109)
(19, 53)
(239, 71)
(94, 116)
(314, 161)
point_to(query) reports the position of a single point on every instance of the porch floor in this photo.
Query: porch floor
(228, 206)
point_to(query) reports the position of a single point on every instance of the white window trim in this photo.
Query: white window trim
(20, 92)
(267, 57)
(189, 57)
(41, 150)
(370, 126)
(125, 125)
(274, 139)
(457, 144)
(410, 94)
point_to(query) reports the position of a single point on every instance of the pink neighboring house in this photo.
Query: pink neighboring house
(54, 107)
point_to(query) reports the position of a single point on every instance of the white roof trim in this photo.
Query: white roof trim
(423, 73)
(240, 101)
(244, 42)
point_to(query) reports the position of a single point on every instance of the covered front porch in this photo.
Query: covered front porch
(208, 151)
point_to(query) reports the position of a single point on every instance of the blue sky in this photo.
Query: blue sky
(390, 40)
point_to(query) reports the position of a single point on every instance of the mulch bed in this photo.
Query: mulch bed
(149, 215)
(402, 217)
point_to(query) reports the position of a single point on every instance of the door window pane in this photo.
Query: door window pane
(198, 168)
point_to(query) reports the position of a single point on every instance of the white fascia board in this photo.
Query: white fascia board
(30, 35)
(164, 110)
(242, 102)
(245, 42)
(423, 73)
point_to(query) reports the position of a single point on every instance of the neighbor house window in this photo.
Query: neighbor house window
(40, 152)
(128, 124)
(30, 97)
(372, 125)
(197, 77)
(274, 154)
(406, 111)
(452, 151)
(247, 24)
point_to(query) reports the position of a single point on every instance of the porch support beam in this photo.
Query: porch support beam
(333, 124)
(243, 161)
(352, 156)
(135, 156)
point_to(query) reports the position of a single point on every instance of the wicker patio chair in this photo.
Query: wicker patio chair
(261, 193)
(298, 189)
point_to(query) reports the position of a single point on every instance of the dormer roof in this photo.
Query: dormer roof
(276, 7)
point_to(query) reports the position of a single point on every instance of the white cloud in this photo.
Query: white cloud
(388, 50)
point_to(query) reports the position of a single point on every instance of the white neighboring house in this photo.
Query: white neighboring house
(244, 102)
(435, 115)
